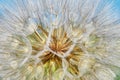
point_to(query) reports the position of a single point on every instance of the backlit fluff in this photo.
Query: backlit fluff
(59, 40)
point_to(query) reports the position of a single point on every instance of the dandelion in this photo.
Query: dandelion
(59, 40)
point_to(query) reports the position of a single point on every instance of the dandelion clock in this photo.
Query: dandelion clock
(59, 40)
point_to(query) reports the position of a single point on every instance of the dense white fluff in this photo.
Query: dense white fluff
(59, 40)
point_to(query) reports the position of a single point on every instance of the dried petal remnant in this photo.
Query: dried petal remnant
(59, 44)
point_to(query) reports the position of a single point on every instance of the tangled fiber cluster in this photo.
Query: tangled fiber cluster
(59, 40)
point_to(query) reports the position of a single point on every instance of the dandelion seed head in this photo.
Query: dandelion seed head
(58, 40)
